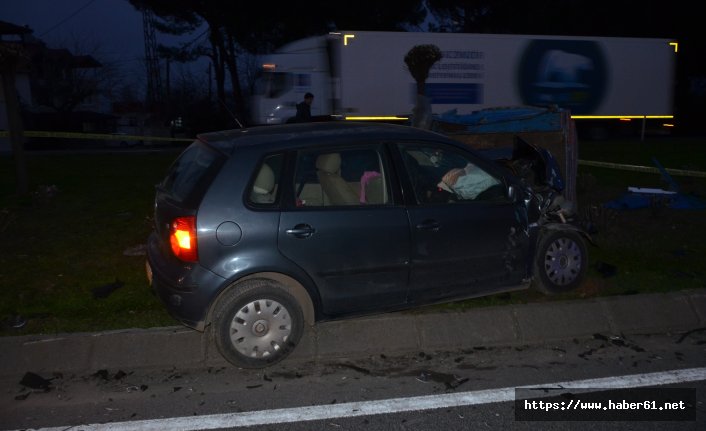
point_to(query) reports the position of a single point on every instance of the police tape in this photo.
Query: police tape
(636, 168)
(101, 136)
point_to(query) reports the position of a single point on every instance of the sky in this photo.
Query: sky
(110, 30)
(114, 27)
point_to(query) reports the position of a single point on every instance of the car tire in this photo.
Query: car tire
(560, 262)
(256, 324)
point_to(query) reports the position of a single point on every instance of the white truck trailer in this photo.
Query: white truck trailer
(362, 75)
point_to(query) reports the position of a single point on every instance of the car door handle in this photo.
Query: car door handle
(301, 231)
(429, 225)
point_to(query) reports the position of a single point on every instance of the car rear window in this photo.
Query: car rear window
(192, 173)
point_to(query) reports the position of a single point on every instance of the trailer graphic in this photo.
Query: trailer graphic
(362, 75)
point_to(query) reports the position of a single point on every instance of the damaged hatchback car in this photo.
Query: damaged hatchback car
(262, 231)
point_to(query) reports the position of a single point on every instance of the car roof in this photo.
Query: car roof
(288, 135)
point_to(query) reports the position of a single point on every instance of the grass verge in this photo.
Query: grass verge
(69, 238)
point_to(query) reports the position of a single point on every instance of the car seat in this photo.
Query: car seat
(338, 191)
(264, 186)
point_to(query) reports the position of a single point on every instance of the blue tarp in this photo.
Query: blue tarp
(513, 120)
(674, 200)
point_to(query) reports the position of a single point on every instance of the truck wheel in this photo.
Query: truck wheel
(256, 324)
(560, 262)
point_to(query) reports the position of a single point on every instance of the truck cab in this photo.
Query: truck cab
(285, 76)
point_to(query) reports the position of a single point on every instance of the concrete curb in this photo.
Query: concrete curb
(392, 333)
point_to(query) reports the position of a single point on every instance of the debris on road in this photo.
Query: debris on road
(104, 291)
(35, 381)
(690, 333)
(450, 381)
(615, 340)
(15, 321)
(136, 388)
(45, 193)
(137, 250)
(100, 374)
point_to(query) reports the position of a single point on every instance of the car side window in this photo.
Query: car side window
(441, 174)
(266, 183)
(346, 176)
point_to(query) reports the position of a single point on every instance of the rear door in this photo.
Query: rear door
(352, 241)
(467, 235)
(185, 185)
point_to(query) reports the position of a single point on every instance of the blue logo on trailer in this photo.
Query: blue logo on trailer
(454, 94)
(449, 93)
(569, 73)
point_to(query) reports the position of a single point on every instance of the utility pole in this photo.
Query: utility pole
(10, 57)
(154, 81)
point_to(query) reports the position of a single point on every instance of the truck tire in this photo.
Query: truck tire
(561, 261)
(256, 324)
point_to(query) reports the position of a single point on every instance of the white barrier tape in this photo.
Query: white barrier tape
(681, 172)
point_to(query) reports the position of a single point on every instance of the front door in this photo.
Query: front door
(468, 237)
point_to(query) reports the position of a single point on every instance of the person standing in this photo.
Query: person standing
(304, 109)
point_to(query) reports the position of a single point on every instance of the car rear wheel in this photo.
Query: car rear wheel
(256, 324)
(561, 260)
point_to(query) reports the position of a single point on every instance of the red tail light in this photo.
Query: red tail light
(182, 236)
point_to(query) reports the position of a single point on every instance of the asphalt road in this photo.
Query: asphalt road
(126, 397)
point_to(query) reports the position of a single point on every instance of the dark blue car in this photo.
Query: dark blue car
(261, 231)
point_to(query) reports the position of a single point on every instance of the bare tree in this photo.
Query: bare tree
(237, 28)
(69, 78)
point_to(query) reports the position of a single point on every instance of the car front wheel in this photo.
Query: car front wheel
(256, 324)
(561, 260)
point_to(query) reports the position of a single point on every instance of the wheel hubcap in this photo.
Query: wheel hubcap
(260, 328)
(562, 262)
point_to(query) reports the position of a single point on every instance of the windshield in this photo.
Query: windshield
(272, 84)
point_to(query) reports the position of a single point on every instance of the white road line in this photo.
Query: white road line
(389, 406)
